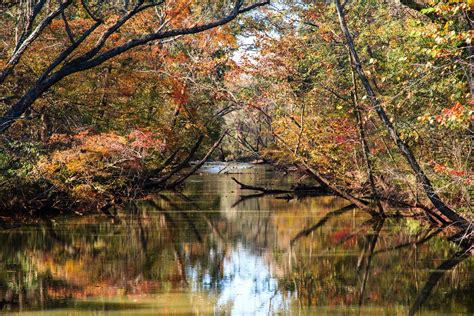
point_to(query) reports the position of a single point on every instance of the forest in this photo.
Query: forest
(106, 105)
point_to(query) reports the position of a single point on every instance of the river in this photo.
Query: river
(214, 249)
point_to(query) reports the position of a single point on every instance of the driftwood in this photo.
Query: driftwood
(165, 164)
(244, 186)
(432, 216)
(298, 190)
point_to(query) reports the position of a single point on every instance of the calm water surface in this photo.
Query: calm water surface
(217, 250)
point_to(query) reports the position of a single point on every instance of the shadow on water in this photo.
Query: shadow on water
(200, 252)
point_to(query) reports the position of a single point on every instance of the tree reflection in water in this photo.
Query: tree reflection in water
(199, 251)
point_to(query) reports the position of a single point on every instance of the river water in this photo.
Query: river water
(214, 249)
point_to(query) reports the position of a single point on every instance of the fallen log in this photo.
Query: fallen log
(298, 190)
(244, 186)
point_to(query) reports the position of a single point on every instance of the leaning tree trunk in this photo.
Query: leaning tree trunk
(198, 165)
(363, 138)
(403, 147)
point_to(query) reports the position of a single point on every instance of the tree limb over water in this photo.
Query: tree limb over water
(96, 55)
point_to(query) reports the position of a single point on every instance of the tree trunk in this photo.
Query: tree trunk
(339, 192)
(161, 182)
(198, 165)
(96, 56)
(363, 139)
(404, 149)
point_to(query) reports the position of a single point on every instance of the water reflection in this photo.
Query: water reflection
(248, 286)
(201, 252)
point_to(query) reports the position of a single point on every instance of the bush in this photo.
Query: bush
(90, 165)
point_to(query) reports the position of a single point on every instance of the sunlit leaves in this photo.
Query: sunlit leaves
(93, 164)
(457, 116)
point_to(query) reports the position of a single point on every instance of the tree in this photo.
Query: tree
(406, 151)
(301, 79)
(72, 60)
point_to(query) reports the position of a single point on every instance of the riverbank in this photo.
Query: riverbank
(45, 202)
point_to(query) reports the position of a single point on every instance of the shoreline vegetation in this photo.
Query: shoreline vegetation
(113, 204)
(106, 102)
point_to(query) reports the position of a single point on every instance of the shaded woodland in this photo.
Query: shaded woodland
(105, 102)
